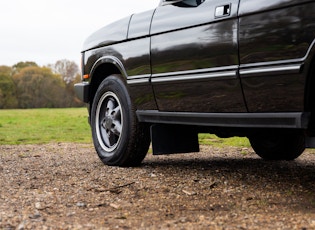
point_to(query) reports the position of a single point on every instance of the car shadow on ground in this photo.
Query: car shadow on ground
(293, 181)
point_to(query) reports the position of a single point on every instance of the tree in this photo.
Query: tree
(8, 98)
(20, 65)
(38, 87)
(27, 85)
(75, 102)
(68, 70)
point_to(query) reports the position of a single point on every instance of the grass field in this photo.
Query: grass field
(210, 139)
(37, 126)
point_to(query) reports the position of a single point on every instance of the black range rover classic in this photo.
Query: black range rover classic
(231, 68)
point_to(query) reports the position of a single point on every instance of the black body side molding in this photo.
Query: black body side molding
(292, 120)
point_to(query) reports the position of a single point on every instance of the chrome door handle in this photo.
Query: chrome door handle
(222, 11)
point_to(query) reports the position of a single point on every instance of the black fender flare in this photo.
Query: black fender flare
(109, 60)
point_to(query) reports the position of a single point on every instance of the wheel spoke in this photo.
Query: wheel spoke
(116, 113)
(116, 129)
(110, 104)
(109, 107)
(106, 136)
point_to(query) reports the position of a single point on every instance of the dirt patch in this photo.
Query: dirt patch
(65, 186)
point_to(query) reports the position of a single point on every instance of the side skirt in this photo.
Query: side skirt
(292, 120)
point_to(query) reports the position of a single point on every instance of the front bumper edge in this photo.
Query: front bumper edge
(82, 91)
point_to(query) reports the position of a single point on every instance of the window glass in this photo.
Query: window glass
(189, 3)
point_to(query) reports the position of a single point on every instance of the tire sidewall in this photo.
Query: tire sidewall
(115, 85)
(279, 145)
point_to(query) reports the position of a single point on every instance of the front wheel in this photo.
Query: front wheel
(119, 139)
(278, 145)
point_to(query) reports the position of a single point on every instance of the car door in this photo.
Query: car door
(194, 56)
(275, 37)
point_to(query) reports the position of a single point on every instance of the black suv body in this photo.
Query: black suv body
(232, 68)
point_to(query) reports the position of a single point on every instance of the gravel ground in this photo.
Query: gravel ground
(65, 186)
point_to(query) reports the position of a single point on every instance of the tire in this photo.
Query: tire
(119, 139)
(277, 145)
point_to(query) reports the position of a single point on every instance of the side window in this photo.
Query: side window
(189, 3)
(182, 3)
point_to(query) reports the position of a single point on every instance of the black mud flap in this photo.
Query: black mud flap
(169, 139)
(310, 142)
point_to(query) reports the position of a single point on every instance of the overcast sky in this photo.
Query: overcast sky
(45, 31)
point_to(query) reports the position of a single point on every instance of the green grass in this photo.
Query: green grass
(36, 126)
(210, 139)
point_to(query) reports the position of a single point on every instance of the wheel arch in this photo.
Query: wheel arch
(103, 68)
(309, 97)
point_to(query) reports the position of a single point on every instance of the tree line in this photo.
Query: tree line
(27, 85)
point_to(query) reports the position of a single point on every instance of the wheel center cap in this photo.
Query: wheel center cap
(108, 122)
